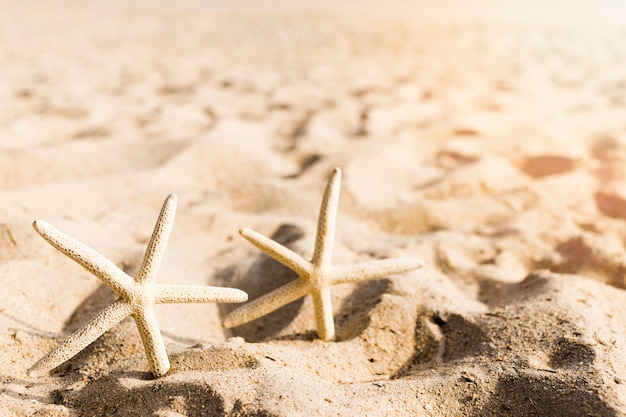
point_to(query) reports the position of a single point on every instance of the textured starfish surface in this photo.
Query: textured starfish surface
(318, 276)
(136, 296)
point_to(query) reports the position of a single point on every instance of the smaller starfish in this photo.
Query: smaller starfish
(136, 296)
(315, 277)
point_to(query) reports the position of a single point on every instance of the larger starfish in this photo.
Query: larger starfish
(318, 276)
(136, 296)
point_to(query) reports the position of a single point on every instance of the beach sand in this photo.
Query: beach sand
(487, 139)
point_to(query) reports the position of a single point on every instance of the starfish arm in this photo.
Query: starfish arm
(158, 241)
(88, 258)
(81, 338)
(277, 251)
(198, 294)
(266, 304)
(327, 220)
(152, 341)
(324, 314)
(375, 269)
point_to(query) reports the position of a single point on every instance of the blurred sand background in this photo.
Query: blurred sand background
(487, 138)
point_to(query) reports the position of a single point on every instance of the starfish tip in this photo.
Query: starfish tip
(171, 199)
(241, 296)
(33, 372)
(39, 226)
(411, 264)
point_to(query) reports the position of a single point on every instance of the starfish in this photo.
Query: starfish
(318, 276)
(136, 296)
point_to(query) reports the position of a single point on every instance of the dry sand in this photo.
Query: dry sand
(488, 140)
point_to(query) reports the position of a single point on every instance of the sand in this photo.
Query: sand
(488, 140)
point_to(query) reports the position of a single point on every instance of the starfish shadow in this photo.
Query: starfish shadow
(265, 275)
(354, 315)
(148, 397)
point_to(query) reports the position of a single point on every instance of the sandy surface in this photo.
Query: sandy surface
(489, 141)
